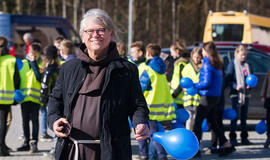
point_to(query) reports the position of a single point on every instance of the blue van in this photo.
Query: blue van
(44, 28)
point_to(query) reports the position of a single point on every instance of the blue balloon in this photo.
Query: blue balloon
(229, 114)
(180, 143)
(261, 127)
(177, 124)
(181, 115)
(160, 127)
(19, 96)
(192, 91)
(251, 80)
(205, 126)
(130, 123)
(186, 82)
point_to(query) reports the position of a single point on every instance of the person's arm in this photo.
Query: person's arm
(34, 66)
(179, 89)
(16, 78)
(206, 80)
(265, 85)
(55, 103)
(139, 110)
(229, 76)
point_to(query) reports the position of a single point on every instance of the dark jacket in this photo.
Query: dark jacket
(210, 80)
(230, 77)
(265, 91)
(121, 98)
(48, 81)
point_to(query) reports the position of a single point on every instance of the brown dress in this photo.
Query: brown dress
(85, 119)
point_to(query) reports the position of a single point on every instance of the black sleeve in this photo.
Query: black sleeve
(139, 110)
(179, 89)
(16, 78)
(56, 102)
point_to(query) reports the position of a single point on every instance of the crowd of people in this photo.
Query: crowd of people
(87, 98)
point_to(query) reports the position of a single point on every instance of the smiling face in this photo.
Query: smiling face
(95, 37)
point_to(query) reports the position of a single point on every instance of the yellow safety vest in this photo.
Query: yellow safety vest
(190, 72)
(7, 70)
(159, 99)
(141, 68)
(29, 84)
(176, 81)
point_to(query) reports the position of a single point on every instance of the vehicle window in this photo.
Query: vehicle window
(227, 56)
(227, 32)
(259, 63)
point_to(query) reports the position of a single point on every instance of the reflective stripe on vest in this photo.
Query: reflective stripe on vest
(159, 99)
(7, 70)
(176, 81)
(190, 72)
(29, 84)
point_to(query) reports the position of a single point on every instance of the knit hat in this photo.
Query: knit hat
(50, 52)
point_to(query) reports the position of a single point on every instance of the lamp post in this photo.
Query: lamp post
(130, 25)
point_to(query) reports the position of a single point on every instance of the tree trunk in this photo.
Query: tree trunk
(173, 21)
(47, 7)
(178, 20)
(104, 4)
(99, 4)
(4, 5)
(83, 7)
(115, 11)
(147, 21)
(160, 23)
(30, 6)
(217, 5)
(53, 8)
(64, 9)
(18, 6)
(75, 13)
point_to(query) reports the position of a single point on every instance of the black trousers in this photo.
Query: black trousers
(220, 109)
(4, 109)
(208, 109)
(30, 111)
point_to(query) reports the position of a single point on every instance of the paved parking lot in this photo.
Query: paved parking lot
(255, 151)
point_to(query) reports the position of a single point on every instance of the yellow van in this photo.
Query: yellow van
(237, 26)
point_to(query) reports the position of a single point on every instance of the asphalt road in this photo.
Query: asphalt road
(255, 151)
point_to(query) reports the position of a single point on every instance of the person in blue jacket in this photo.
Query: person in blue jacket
(210, 88)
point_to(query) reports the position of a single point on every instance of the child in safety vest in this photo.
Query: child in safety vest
(192, 71)
(9, 93)
(156, 92)
(30, 85)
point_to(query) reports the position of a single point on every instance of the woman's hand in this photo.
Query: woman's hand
(239, 87)
(61, 128)
(142, 132)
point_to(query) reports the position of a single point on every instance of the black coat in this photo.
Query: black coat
(121, 97)
(265, 91)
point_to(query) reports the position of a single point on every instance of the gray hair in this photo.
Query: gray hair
(27, 36)
(102, 18)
